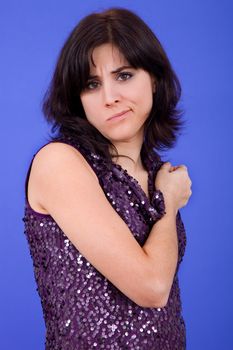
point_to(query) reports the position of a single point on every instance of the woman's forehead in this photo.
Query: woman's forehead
(106, 53)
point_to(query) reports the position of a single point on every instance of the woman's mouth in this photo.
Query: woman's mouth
(120, 115)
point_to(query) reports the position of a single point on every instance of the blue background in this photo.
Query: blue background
(197, 36)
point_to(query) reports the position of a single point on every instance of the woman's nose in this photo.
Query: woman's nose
(110, 94)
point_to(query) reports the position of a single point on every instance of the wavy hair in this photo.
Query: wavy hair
(125, 30)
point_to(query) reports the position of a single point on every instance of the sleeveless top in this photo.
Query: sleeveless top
(82, 309)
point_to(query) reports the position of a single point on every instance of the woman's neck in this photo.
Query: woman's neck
(134, 165)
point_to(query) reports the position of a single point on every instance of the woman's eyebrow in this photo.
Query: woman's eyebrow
(113, 72)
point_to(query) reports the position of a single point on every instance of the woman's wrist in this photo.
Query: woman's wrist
(171, 210)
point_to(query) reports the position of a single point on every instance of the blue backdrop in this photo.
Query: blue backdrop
(197, 36)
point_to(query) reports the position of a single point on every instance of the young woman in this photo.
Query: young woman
(102, 209)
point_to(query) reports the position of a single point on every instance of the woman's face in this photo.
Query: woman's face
(115, 87)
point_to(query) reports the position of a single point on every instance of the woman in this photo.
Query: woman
(102, 210)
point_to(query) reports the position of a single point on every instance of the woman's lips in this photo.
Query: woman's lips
(117, 116)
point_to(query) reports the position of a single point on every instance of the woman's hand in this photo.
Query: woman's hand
(175, 184)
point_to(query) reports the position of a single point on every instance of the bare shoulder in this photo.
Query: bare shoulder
(57, 154)
(51, 161)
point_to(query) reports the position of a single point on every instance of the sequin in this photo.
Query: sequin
(82, 309)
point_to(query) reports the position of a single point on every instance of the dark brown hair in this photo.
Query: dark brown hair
(141, 48)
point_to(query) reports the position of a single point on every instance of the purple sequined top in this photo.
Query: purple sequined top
(82, 309)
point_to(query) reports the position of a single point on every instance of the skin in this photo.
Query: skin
(108, 93)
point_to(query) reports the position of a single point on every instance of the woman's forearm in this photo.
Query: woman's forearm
(161, 247)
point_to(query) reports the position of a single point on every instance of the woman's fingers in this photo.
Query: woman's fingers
(183, 166)
(170, 167)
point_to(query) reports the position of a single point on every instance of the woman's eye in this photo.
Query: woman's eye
(124, 75)
(91, 85)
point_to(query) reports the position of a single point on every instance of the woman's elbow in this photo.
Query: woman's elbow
(155, 298)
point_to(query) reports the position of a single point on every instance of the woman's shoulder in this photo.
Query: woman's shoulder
(55, 149)
(58, 154)
(51, 160)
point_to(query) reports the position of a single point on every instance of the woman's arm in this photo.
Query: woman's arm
(64, 184)
(161, 248)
